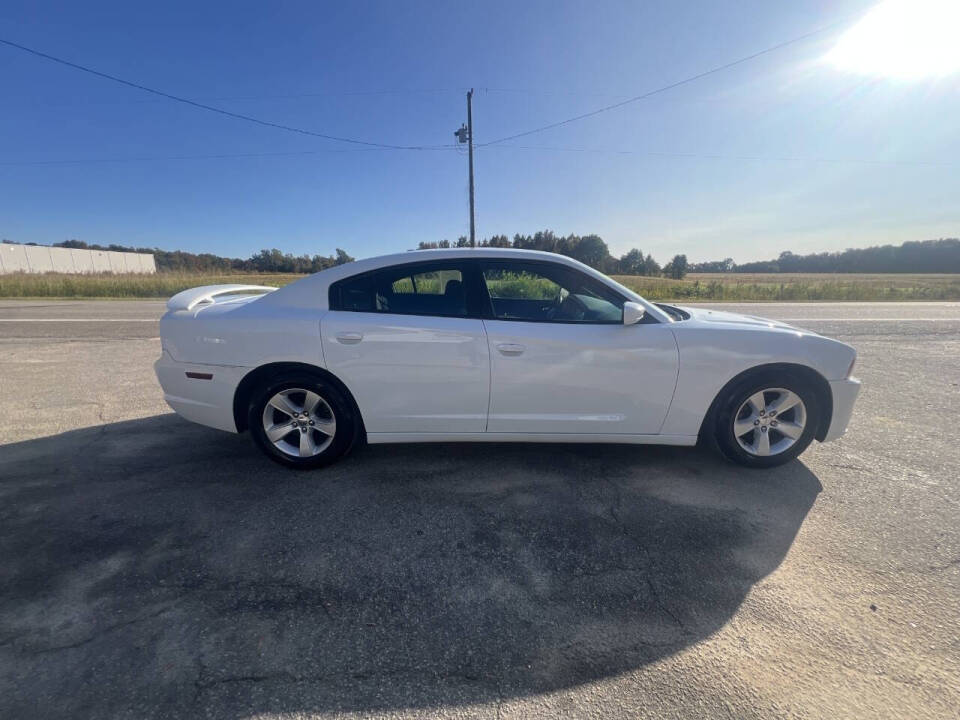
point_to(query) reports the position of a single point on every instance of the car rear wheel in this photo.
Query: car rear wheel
(767, 420)
(301, 421)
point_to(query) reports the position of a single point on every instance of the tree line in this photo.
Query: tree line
(588, 249)
(927, 256)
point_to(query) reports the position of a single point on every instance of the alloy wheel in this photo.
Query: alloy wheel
(299, 422)
(770, 422)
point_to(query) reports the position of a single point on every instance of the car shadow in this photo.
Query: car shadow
(158, 568)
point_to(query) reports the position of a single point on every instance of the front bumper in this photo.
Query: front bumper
(844, 394)
(207, 402)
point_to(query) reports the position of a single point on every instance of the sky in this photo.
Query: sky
(807, 148)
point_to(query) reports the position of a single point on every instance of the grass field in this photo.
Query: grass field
(708, 286)
(107, 285)
(796, 287)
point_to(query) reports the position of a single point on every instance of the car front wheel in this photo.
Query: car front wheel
(767, 420)
(301, 421)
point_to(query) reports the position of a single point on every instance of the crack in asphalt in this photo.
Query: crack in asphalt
(12, 639)
(945, 566)
(239, 586)
(614, 511)
(106, 630)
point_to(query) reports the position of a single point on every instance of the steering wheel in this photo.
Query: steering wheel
(550, 310)
(571, 308)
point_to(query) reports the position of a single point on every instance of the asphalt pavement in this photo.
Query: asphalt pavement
(155, 568)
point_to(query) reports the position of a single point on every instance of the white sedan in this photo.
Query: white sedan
(493, 345)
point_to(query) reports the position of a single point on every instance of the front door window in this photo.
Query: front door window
(540, 293)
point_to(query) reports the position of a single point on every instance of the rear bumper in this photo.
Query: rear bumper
(844, 395)
(204, 401)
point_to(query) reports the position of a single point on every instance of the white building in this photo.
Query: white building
(43, 259)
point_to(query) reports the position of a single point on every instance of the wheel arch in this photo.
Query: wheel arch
(817, 381)
(250, 381)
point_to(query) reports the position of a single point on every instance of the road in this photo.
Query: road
(153, 568)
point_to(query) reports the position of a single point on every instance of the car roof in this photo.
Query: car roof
(413, 256)
(314, 289)
(323, 279)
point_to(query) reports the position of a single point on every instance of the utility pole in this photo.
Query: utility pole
(465, 135)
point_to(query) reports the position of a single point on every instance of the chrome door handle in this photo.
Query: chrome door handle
(349, 338)
(510, 349)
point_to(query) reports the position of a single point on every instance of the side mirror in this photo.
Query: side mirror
(632, 313)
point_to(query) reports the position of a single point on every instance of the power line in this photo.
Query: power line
(211, 108)
(544, 148)
(552, 93)
(216, 156)
(717, 156)
(671, 86)
(285, 96)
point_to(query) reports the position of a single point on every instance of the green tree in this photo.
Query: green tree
(714, 266)
(651, 267)
(676, 268)
(632, 263)
(590, 250)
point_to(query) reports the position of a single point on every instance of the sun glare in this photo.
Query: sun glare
(906, 39)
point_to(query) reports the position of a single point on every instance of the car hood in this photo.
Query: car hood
(736, 319)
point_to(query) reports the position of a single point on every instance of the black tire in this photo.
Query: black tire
(734, 398)
(336, 407)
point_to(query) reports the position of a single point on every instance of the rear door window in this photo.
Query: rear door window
(421, 289)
